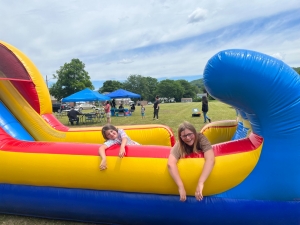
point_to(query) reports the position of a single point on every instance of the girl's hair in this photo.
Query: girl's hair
(106, 128)
(184, 148)
(204, 99)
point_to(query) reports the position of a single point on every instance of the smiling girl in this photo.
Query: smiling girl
(113, 136)
(190, 142)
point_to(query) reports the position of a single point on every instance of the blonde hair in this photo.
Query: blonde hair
(106, 128)
(184, 148)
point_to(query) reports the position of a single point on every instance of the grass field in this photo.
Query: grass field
(171, 114)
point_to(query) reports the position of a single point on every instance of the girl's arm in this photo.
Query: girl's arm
(209, 157)
(173, 170)
(102, 149)
(122, 148)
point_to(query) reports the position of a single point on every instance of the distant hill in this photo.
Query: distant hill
(198, 83)
(297, 69)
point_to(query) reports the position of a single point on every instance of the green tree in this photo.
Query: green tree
(170, 89)
(71, 78)
(110, 86)
(136, 84)
(198, 83)
(145, 86)
(152, 86)
(190, 90)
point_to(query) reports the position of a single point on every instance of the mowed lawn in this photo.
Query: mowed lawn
(170, 114)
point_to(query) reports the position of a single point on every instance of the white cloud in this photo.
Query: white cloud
(125, 61)
(152, 38)
(197, 16)
(278, 55)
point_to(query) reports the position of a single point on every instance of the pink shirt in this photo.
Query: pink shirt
(107, 108)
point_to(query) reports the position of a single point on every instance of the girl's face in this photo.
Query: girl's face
(111, 134)
(188, 137)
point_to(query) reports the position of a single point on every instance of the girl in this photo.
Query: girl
(113, 136)
(205, 109)
(156, 108)
(190, 142)
(107, 111)
(143, 111)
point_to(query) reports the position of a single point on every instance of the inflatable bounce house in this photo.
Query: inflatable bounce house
(52, 171)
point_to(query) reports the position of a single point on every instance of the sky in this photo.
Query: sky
(161, 39)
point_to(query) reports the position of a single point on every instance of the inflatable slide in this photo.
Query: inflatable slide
(48, 170)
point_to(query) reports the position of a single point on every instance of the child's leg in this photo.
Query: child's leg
(204, 117)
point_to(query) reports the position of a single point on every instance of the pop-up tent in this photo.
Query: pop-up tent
(121, 93)
(86, 95)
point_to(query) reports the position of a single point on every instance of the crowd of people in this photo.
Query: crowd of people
(108, 105)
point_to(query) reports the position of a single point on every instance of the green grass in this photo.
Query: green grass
(171, 114)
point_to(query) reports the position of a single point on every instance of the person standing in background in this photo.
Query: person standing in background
(113, 103)
(205, 109)
(156, 108)
(143, 111)
(107, 111)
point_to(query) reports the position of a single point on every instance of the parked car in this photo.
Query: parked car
(150, 103)
(58, 107)
(85, 106)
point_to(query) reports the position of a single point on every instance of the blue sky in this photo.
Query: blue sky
(161, 39)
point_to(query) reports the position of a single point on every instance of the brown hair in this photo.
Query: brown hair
(204, 100)
(184, 148)
(106, 128)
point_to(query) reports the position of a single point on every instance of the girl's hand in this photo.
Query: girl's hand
(122, 152)
(182, 194)
(103, 165)
(198, 193)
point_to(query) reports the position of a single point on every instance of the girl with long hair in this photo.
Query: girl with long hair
(190, 142)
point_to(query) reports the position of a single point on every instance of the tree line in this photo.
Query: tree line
(149, 87)
(72, 77)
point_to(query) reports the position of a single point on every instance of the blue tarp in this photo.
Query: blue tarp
(120, 93)
(86, 95)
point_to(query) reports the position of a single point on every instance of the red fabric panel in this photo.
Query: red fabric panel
(10, 144)
(234, 147)
(28, 91)
(54, 122)
(173, 141)
(12, 69)
(10, 65)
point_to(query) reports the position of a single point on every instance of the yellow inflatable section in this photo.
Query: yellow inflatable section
(219, 131)
(135, 174)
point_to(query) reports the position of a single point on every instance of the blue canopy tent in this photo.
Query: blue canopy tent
(86, 95)
(121, 93)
